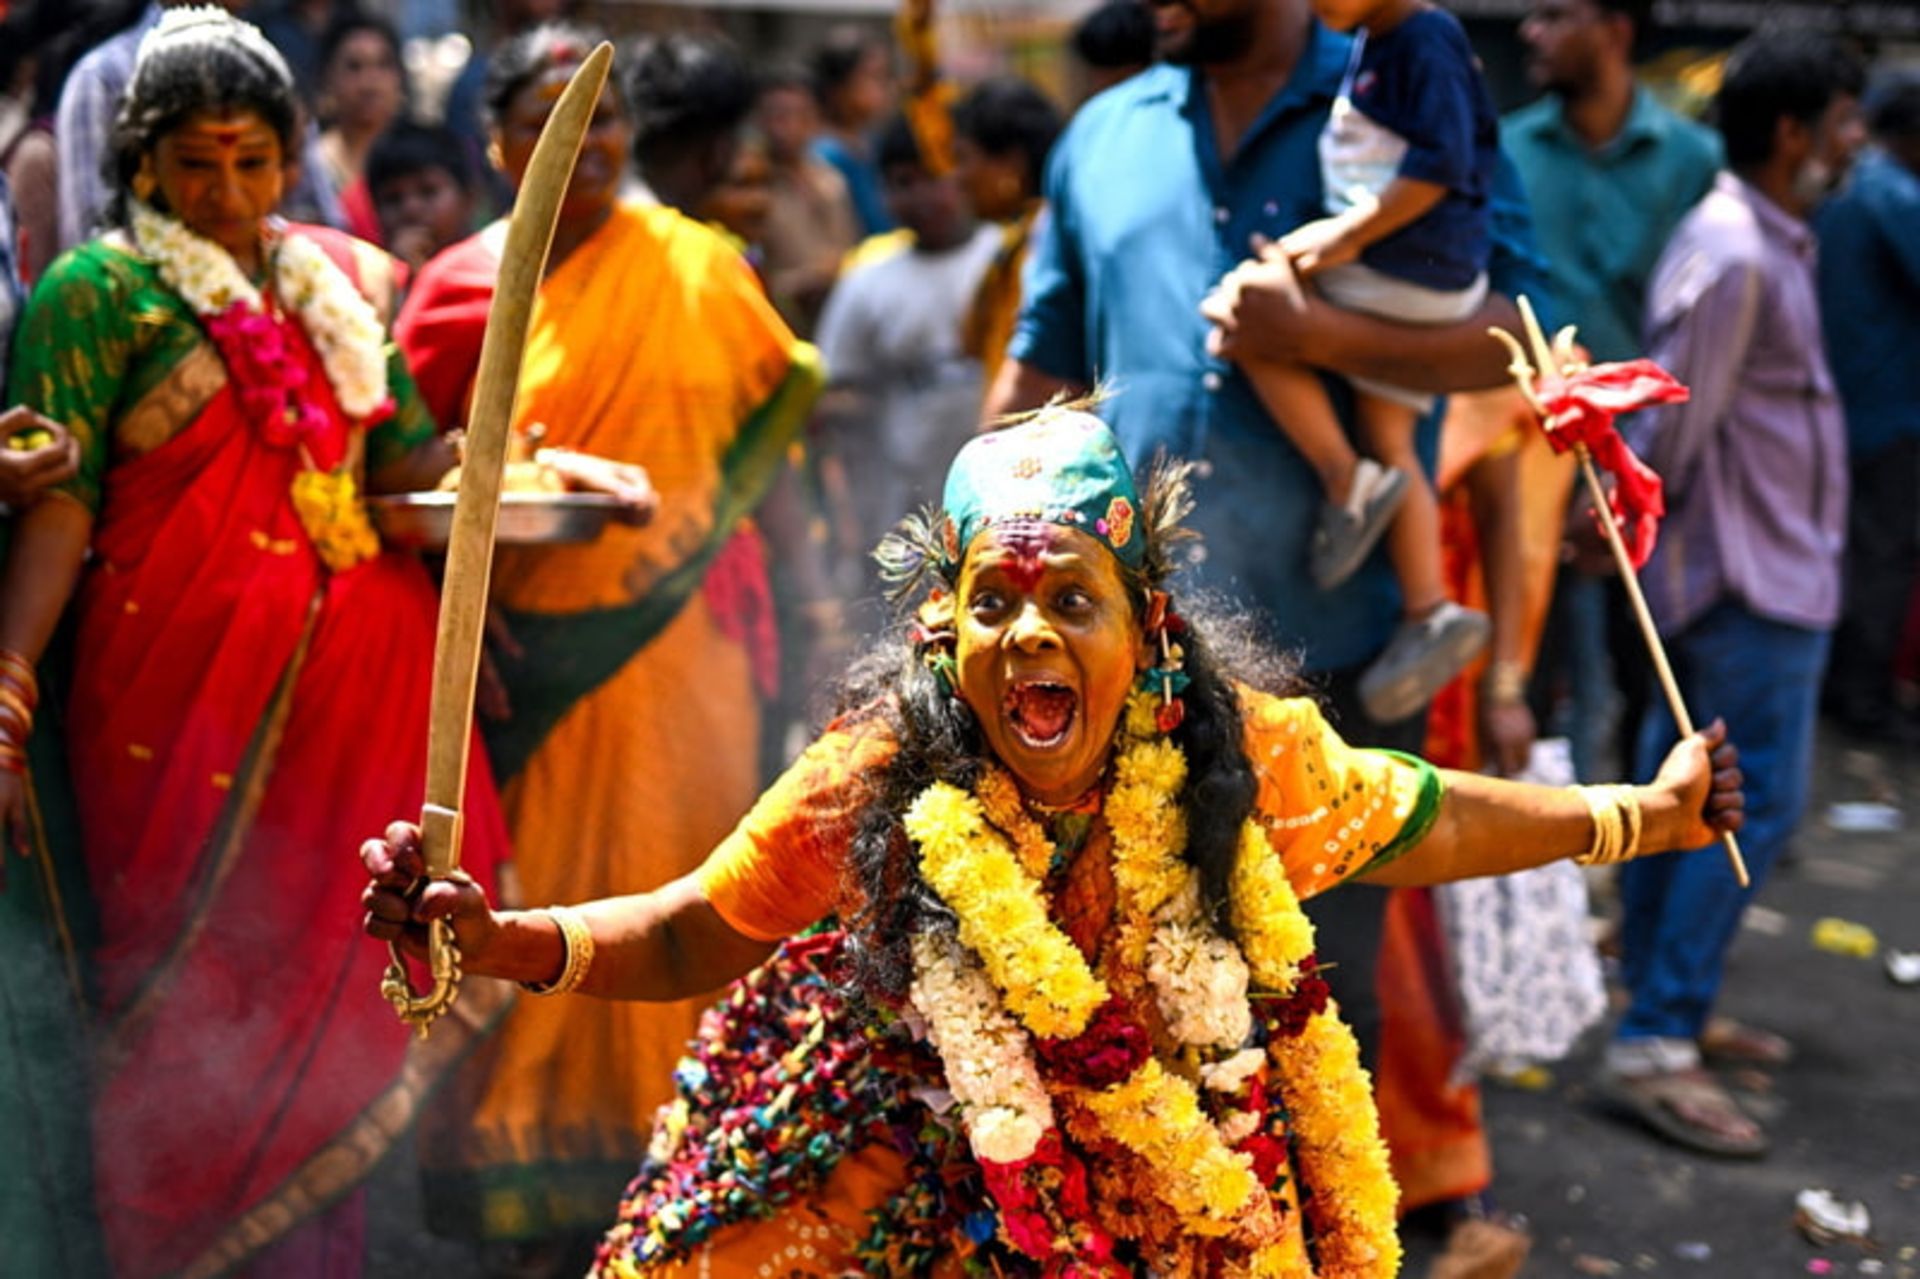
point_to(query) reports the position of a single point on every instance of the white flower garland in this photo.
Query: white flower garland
(1199, 978)
(342, 325)
(988, 1058)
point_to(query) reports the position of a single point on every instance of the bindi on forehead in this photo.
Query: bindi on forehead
(226, 132)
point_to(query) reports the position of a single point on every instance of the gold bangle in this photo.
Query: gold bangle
(1504, 684)
(20, 706)
(26, 687)
(576, 940)
(1617, 822)
(1630, 802)
(12, 661)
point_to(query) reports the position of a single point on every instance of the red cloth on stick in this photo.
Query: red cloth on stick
(1581, 408)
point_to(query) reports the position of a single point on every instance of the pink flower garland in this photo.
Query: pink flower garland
(263, 359)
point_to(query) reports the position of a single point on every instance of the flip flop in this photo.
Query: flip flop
(1736, 1043)
(1656, 1101)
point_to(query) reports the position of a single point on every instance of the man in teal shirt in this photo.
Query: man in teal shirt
(1608, 170)
(1609, 173)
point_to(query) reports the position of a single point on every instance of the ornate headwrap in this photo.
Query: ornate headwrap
(1062, 466)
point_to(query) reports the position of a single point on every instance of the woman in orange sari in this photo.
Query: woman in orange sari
(235, 626)
(627, 714)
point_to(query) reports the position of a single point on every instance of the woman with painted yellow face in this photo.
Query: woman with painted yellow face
(1061, 1013)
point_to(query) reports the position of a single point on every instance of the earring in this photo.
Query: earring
(933, 640)
(1167, 676)
(143, 183)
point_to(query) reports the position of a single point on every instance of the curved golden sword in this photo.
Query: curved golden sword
(463, 597)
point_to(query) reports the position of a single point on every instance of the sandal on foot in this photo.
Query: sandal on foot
(1735, 1043)
(1688, 1108)
(1483, 1248)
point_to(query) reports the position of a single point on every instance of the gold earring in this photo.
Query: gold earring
(144, 183)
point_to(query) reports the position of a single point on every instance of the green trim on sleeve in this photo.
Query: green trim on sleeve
(1426, 810)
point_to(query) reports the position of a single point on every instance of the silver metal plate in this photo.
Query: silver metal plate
(421, 521)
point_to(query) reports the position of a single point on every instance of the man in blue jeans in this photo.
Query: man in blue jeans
(1746, 580)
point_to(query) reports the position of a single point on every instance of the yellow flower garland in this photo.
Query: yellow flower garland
(1328, 1094)
(1043, 977)
(1157, 1116)
(995, 891)
(999, 797)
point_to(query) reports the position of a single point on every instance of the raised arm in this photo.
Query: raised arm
(1487, 826)
(664, 945)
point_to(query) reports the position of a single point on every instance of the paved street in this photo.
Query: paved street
(1605, 1198)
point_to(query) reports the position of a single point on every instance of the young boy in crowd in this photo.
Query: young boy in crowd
(423, 190)
(1406, 159)
(904, 394)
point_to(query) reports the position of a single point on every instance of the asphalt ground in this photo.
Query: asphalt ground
(1606, 1197)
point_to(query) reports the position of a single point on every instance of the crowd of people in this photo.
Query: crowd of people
(1127, 483)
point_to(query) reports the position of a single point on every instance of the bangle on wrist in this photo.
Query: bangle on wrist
(576, 945)
(1617, 824)
(20, 708)
(1504, 684)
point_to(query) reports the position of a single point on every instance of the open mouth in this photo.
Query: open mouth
(1041, 712)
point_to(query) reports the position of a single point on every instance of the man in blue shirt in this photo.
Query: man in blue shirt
(1869, 281)
(1156, 191)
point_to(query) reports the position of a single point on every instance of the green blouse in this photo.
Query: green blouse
(108, 350)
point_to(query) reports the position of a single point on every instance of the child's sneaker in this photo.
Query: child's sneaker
(1348, 531)
(1420, 659)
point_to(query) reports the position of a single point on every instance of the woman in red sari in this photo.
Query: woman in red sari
(229, 382)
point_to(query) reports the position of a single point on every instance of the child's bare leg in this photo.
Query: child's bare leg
(1297, 401)
(1413, 543)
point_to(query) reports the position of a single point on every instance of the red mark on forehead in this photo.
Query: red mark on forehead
(1025, 542)
(227, 139)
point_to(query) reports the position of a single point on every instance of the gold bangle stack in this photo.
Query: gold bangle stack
(19, 697)
(1617, 824)
(576, 939)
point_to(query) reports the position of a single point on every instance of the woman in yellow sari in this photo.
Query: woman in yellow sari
(626, 711)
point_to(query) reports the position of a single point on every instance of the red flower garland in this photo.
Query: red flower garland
(1107, 1052)
(1287, 1018)
(1038, 1197)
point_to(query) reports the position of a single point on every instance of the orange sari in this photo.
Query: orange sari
(1431, 1122)
(633, 742)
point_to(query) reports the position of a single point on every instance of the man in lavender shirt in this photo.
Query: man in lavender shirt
(1745, 583)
